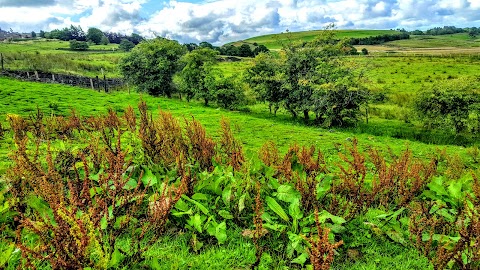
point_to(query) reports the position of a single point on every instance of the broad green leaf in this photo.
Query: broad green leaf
(116, 259)
(241, 203)
(275, 207)
(199, 205)
(182, 205)
(294, 210)
(103, 223)
(221, 232)
(225, 214)
(6, 250)
(437, 186)
(196, 222)
(119, 221)
(179, 214)
(324, 215)
(300, 259)
(275, 227)
(287, 193)
(455, 190)
(131, 184)
(148, 178)
(200, 197)
(226, 195)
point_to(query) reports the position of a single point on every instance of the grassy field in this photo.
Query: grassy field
(54, 56)
(377, 238)
(173, 251)
(275, 41)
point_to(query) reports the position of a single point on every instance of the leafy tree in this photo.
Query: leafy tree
(205, 44)
(260, 49)
(321, 82)
(447, 106)
(95, 35)
(266, 79)
(78, 45)
(197, 78)
(191, 46)
(228, 94)
(231, 50)
(34, 35)
(135, 38)
(245, 51)
(150, 66)
(104, 41)
(126, 45)
(42, 34)
(364, 51)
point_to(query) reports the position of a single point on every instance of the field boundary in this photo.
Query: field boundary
(98, 83)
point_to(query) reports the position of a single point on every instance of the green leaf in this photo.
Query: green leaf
(199, 205)
(200, 197)
(275, 207)
(116, 259)
(287, 193)
(119, 221)
(294, 210)
(324, 215)
(437, 186)
(131, 184)
(148, 178)
(226, 195)
(179, 214)
(6, 250)
(103, 223)
(196, 222)
(455, 190)
(182, 205)
(225, 214)
(300, 259)
(221, 232)
(241, 203)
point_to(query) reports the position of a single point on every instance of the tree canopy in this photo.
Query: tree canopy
(150, 66)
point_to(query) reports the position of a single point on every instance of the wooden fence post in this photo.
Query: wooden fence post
(105, 83)
(36, 75)
(53, 77)
(91, 84)
(1, 60)
(98, 83)
(28, 75)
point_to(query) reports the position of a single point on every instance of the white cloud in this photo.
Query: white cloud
(221, 21)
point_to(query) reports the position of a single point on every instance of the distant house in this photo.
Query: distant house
(4, 35)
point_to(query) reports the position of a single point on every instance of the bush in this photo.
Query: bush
(78, 45)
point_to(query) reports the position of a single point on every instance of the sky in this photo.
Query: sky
(223, 21)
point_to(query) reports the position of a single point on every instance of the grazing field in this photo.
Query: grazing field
(54, 56)
(275, 41)
(370, 238)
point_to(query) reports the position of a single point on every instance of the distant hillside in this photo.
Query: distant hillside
(274, 41)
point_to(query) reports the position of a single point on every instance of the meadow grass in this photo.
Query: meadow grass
(275, 41)
(460, 40)
(54, 56)
(253, 128)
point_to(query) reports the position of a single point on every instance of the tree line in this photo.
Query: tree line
(446, 30)
(93, 35)
(380, 39)
(306, 79)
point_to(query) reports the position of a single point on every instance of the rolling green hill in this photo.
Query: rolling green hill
(274, 41)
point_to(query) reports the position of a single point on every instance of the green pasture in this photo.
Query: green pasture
(275, 41)
(54, 56)
(252, 128)
(460, 40)
(173, 250)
